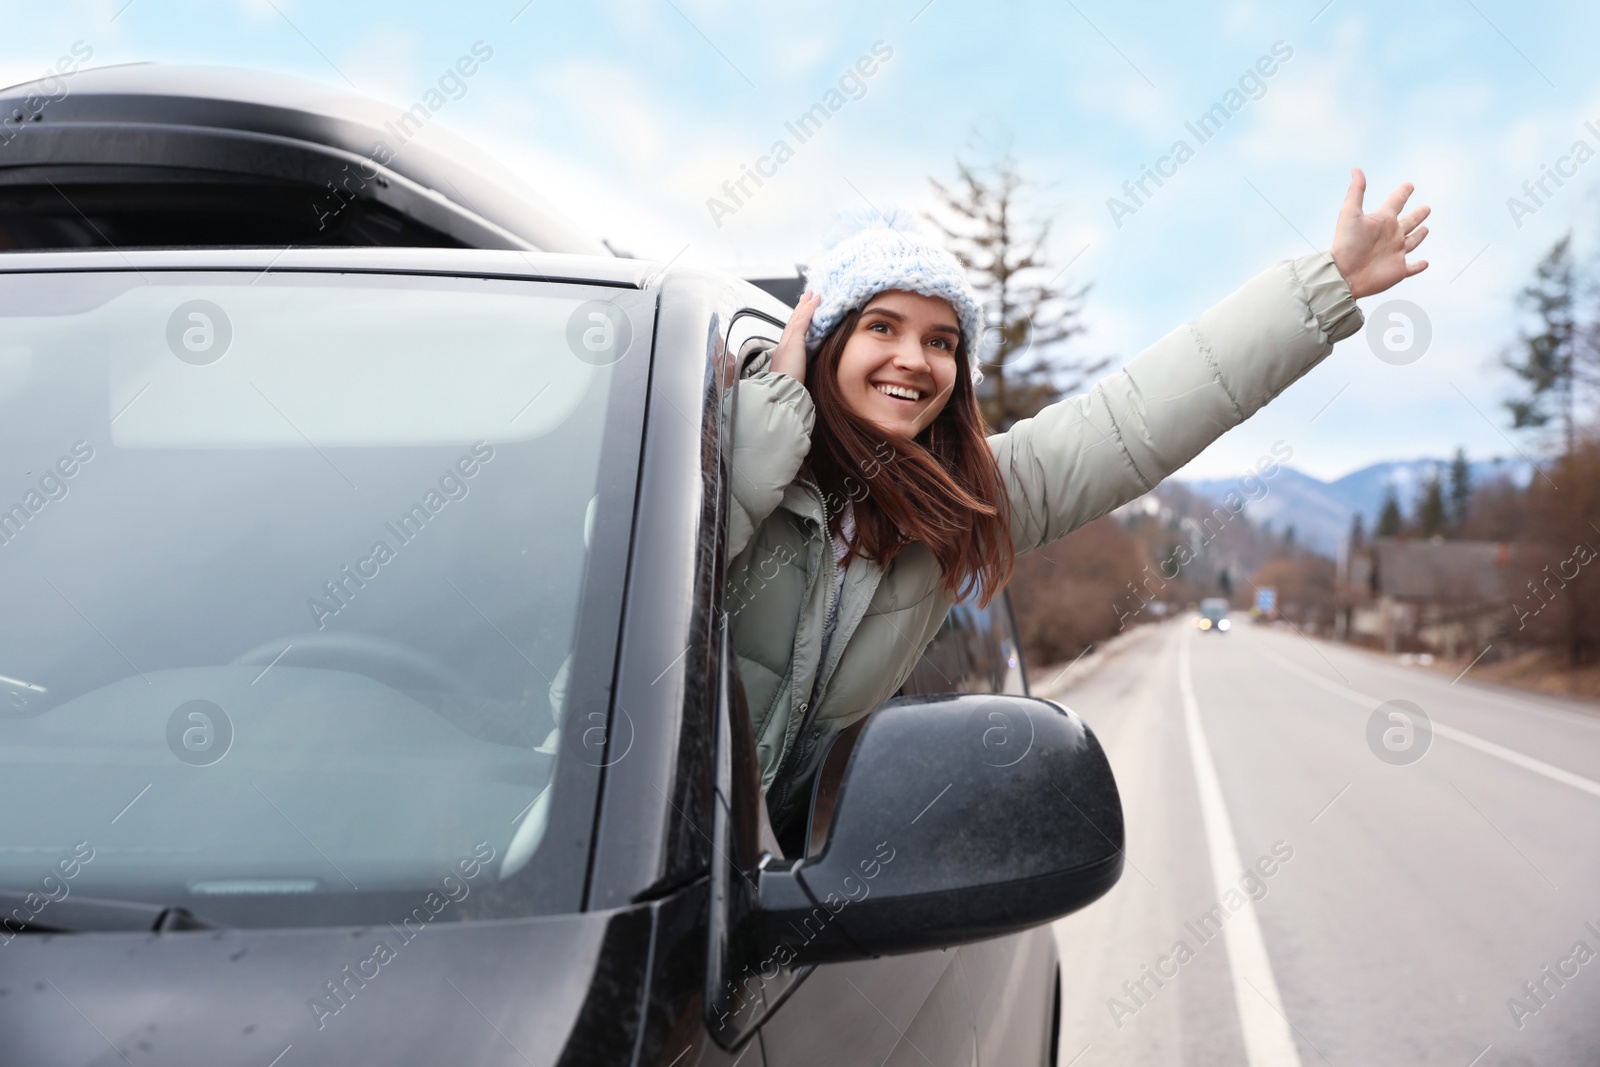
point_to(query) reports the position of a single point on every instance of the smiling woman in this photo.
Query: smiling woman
(879, 353)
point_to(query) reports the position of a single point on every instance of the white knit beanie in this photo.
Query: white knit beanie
(889, 252)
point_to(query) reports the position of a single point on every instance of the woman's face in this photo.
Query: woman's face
(898, 367)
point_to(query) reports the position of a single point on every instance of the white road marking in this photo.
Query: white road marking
(1268, 1041)
(1488, 692)
(1460, 737)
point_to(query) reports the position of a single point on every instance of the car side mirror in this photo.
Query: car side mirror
(959, 817)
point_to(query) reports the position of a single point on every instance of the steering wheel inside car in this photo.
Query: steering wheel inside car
(394, 663)
(408, 670)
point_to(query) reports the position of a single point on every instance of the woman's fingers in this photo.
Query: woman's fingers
(1369, 249)
(1353, 195)
(1397, 199)
(1409, 221)
(800, 318)
(790, 355)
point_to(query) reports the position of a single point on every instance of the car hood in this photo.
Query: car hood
(483, 992)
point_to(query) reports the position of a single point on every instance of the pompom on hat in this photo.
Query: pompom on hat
(889, 252)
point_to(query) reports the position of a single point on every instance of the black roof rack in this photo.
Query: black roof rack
(155, 155)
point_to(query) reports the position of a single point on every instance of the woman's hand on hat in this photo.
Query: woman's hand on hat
(1370, 250)
(790, 355)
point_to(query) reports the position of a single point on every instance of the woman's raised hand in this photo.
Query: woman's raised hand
(790, 355)
(1370, 250)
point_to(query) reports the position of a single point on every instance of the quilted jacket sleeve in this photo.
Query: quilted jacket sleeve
(1085, 455)
(772, 423)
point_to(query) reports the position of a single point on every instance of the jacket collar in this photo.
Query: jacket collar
(802, 500)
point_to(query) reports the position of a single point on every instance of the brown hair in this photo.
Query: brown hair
(944, 491)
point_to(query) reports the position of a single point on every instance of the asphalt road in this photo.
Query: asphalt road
(1394, 906)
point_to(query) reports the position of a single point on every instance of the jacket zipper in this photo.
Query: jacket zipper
(809, 707)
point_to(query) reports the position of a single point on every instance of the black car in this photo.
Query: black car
(365, 692)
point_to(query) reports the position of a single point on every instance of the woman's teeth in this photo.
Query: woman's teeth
(899, 391)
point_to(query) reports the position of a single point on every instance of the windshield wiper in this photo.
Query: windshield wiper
(76, 914)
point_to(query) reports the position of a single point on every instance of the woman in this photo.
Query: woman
(866, 498)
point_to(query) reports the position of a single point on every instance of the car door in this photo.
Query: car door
(1012, 980)
(913, 1008)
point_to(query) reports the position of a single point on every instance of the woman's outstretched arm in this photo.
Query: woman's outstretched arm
(1087, 454)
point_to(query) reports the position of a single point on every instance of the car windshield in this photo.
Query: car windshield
(312, 590)
(1214, 607)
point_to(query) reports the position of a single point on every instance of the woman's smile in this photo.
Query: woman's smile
(899, 392)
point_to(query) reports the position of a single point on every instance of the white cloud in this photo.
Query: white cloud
(1313, 110)
(1244, 16)
(386, 63)
(799, 54)
(1148, 110)
(633, 19)
(612, 112)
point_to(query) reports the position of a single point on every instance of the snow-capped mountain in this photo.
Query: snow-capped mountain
(1321, 511)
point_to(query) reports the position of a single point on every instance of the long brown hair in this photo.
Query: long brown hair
(942, 489)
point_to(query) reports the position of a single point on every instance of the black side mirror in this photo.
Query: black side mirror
(959, 817)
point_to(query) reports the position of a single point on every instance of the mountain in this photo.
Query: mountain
(1321, 511)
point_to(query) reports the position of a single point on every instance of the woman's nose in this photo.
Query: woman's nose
(909, 357)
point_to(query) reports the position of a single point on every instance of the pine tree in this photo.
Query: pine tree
(1460, 489)
(1430, 507)
(1025, 321)
(1358, 531)
(1545, 364)
(1390, 523)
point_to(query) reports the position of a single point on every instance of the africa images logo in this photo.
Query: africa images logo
(199, 733)
(1399, 732)
(199, 332)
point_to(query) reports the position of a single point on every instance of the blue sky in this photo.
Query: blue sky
(630, 115)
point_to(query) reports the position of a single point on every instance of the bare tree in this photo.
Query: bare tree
(1026, 321)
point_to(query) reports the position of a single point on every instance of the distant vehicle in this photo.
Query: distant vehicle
(1213, 615)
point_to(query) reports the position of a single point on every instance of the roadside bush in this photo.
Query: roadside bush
(1555, 597)
(1066, 594)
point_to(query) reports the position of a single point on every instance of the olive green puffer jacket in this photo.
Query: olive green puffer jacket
(1071, 463)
